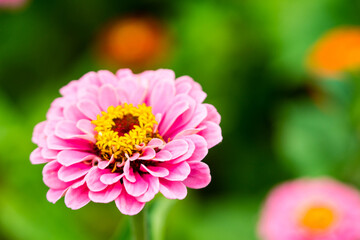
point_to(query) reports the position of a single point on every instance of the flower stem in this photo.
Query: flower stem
(140, 225)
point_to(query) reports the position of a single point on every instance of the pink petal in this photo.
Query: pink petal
(50, 127)
(78, 182)
(53, 195)
(70, 88)
(212, 114)
(188, 154)
(173, 190)
(212, 133)
(158, 119)
(70, 157)
(198, 95)
(201, 149)
(199, 176)
(199, 115)
(93, 179)
(172, 114)
(155, 143)
(87, 93)
(128, 172)
(177, 147)
(153, 189)
(49, 154)
(36, 157)
(38, 131)
(178, 172)
(155, 171)
(104, 164)
(196, 90)
(184, 118)
(90, 78)
(67, 129)
(54, 113)
(56, 143)
(107, 195)
(187, 132)
(42, 140)
(107, 97)
(135, 156)
(137, 188)
(126, 87)
(89, 108)
(73, 172)
(138, 93)
(111, 178)
(86, 126)
(128, 204)
(182, 87)
(163, 155)
(72, 113)
(77, 198)
(157, 76)
(123, 73)
(107, 77)
(123, 96)
(147, 154)
(50, 176)
(162, 94)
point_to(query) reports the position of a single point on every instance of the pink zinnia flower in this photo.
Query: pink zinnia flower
(311, 209)
(126, 137)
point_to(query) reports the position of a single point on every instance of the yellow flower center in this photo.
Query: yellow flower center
(122, 129)
(318, 218)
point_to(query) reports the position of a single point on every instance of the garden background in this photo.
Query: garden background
(279, 120)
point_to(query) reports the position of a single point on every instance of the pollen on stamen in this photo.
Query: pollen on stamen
(122, 128)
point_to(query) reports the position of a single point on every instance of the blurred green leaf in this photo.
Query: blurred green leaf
(312, 140)
(217, 218)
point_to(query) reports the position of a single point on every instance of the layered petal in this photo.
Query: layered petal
(36, 157)
(106, 195)
(199, 176)
(76, 198)
(173, 190)
(128, 205)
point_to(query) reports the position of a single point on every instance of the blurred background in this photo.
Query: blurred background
(284, 113)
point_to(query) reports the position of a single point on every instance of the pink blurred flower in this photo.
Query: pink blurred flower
(126, 137)
(311, 209)
(12, 3)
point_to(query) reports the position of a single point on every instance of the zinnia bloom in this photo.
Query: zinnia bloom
(126, 137)
(311, 209)
(338, 51)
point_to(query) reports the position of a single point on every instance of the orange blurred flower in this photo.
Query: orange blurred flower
(135, 41)
(338, 51)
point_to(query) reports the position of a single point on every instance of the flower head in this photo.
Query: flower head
(338, 51)
(126, 137)
(311, 209)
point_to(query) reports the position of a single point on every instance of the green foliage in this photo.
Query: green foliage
(313, 141)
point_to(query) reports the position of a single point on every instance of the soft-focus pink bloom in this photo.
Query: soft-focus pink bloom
(168, 162)
(311, 209)
(12, 3)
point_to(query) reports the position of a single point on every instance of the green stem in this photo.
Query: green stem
(140, 225)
